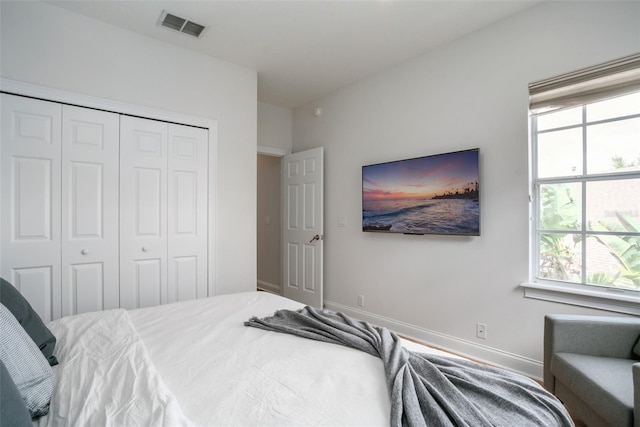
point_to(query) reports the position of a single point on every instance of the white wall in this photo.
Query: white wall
(470, 93)
(275, 138)
(275, 128)
(45, 45)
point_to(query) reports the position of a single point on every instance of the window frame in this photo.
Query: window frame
(582, 294)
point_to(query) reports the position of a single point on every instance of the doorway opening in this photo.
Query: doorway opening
(269, 223)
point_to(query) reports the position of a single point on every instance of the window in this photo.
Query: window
(585, 166)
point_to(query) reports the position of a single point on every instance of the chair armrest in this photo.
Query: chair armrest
(593, 335)
(636, 394)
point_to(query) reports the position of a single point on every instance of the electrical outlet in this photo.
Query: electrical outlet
(360, 301)
(481, 331)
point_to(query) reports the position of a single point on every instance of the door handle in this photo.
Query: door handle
(316, 237)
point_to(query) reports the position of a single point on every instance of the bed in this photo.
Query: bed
(196, 363)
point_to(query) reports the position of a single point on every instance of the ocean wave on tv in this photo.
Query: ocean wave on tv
(443, 216)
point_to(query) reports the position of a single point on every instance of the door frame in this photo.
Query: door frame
(64, 97)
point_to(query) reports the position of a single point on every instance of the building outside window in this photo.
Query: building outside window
(585, 170)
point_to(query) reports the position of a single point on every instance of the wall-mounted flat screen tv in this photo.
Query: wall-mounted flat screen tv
(437, 194)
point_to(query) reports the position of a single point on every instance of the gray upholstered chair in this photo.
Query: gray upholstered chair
(592, 364)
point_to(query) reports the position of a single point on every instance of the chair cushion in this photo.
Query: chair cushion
(636, 349)
(604, 383)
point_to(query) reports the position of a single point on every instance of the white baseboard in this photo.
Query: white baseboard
(482, 353)
(269, 287)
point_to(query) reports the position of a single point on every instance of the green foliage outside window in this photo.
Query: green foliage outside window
(625, 250)
(561, 243)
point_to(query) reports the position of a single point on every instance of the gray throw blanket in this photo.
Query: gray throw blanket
(425, 389)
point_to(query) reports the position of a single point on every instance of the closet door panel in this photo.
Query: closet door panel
(30, 166)
(143, 212)
(149, 276)
(32, 199)
(148, 185)
(187, 215)
(36, 284)
(86, 287)
(90, 178)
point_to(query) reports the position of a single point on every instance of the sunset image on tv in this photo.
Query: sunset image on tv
(437, 194)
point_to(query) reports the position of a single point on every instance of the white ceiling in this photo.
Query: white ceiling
(302, 49)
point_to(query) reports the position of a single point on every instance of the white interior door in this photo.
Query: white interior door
(90, 146)
(143, 212)
(303, 195)
(187, 216)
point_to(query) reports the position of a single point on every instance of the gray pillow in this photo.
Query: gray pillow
(13, 411)
(29, 319)
(29, 370)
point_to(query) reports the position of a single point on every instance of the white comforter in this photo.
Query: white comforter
(105, 377)
(195, 361)
(224, 373)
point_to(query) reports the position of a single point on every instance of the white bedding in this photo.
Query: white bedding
(200, 364)
(105, 377)
(223, 373)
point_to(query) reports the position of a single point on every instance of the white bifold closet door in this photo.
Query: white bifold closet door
(188, 212)
(30, 186)
(163, 212)
(90, 146)
(100, 210)
(60, 205)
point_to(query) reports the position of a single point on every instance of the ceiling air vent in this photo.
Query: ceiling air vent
(169, 20)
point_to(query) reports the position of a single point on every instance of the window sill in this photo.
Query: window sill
(618, 301)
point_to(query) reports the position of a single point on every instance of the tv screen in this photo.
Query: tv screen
(437, 194)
